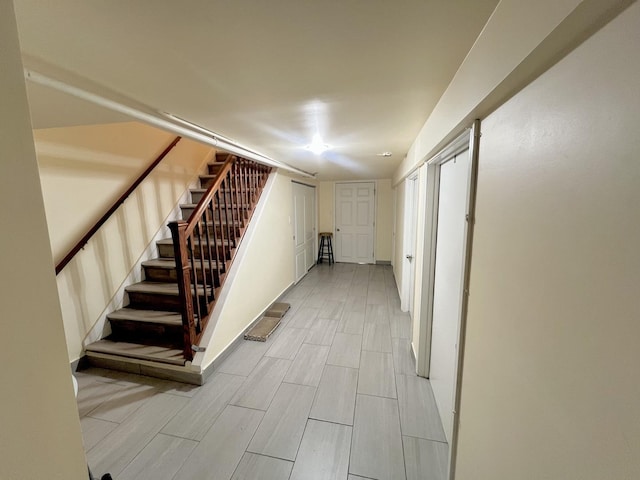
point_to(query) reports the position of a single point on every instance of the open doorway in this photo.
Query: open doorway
(450, 195)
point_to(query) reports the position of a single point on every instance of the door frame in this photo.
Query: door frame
(315, 227)
(375, 210)
(467, 140)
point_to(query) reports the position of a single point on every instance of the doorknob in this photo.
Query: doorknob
(409, 257)
(337, 229)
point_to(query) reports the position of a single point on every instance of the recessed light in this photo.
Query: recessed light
(384, 154)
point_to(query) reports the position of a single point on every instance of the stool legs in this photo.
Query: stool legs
(319, 260)
(325, 250)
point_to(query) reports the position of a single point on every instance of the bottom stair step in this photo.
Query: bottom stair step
(149, 327)
(133, 350)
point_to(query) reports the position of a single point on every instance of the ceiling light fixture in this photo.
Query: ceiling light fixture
(317, 146)
(384, 154)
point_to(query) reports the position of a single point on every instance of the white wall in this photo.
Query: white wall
(40, 427)
(550, 386)
(83, 170)
(265, 270)
(520, 40)
(384, 215)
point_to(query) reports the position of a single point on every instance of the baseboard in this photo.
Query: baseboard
(383, 262)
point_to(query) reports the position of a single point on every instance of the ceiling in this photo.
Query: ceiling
(364, 74)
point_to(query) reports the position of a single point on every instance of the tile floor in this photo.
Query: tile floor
(331, 395)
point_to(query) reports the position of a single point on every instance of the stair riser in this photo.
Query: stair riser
(156, 301)
(169, 275)
(147, 333)
(214, 168)
(166, 251)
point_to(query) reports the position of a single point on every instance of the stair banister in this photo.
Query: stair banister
(211, 234)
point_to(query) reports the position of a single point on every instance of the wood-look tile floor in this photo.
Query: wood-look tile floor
(332, 394)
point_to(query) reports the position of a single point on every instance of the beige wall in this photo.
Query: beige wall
(384, 215)
(83, 170)
(39, 418)
(263, 270)
(384, 220)
(520, 40)
(326, 206)
(550, 386)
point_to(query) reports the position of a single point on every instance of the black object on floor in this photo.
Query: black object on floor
(326, 248)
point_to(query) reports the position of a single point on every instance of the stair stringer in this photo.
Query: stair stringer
(213, 349)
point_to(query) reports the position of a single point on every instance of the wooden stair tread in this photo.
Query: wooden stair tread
(158, 288)
(147, 316)
(135, 350)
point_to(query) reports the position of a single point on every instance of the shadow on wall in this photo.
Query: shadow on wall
(102, 162)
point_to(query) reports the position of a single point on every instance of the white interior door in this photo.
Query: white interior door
(355, 214)
(409, 269)
(448, 283)
(304, 228)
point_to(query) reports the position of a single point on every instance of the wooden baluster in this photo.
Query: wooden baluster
(243, 190)
(209, 270)
(225, 182)
(222, 229)
(216, 231)
(194, 284)
(202, 245)
(228, 192)
(184, 288)
(236, 199)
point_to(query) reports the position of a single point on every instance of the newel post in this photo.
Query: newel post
(181, 254)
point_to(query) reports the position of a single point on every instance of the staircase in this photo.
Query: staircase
(158, 330)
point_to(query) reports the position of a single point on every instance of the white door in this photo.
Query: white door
(355, 213)
(304, 227)
(409, 268)
(448, 283)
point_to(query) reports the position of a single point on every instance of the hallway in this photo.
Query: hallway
(331, 394)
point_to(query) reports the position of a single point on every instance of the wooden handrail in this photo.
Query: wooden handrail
(85, 239)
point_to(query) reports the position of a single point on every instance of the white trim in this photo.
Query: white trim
(474, 149)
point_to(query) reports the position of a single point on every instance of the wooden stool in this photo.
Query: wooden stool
(326, 249)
